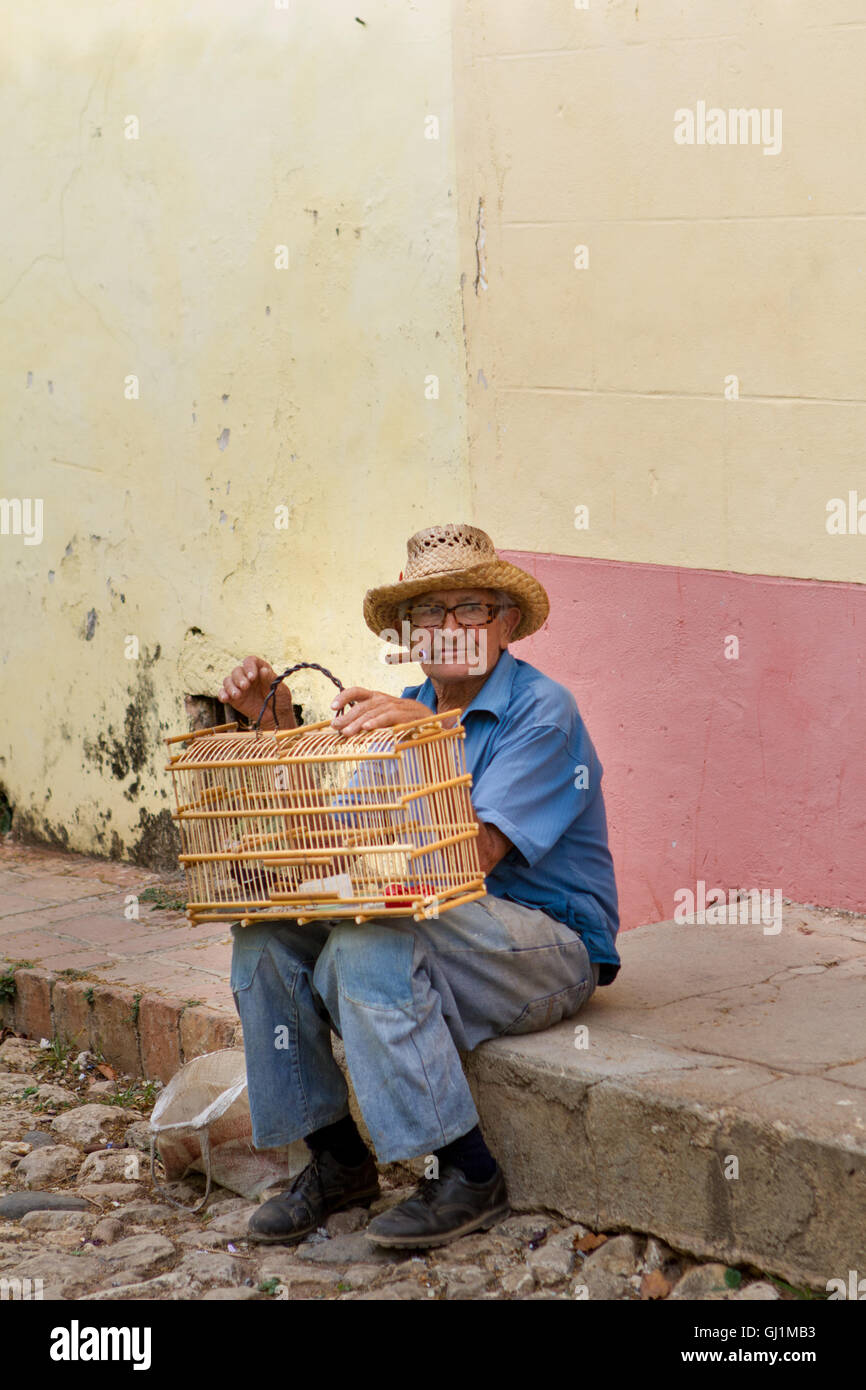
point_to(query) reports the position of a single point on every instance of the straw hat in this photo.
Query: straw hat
(456, 556)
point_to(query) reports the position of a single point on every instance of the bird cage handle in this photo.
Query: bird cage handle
(271, 696)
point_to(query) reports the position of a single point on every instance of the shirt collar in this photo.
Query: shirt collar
(494, 694)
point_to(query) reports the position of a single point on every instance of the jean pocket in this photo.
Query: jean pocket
(247, 947)
(521, 927)
(550, 1009)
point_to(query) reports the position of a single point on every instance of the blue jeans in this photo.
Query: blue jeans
(406, 997)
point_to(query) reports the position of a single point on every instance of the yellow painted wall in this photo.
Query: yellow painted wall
(258, 387)
(604, 386)
(409, 257)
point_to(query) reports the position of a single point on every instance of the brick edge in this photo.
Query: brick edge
(145, 1035)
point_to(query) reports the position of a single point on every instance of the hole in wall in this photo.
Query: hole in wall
(7, 811)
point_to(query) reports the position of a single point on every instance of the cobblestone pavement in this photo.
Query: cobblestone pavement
(78, 1138)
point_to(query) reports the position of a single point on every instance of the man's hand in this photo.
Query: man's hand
(248, 685)
(373, 710)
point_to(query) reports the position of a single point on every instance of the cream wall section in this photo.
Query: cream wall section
(605, 386)
(258, 387)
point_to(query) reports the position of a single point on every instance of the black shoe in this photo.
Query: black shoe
(322, 1187)
(441, 1209)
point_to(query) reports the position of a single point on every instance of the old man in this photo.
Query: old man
(408, 997)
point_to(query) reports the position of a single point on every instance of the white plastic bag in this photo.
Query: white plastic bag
(202, 1123)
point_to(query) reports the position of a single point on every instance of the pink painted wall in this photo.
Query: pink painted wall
(747, 773)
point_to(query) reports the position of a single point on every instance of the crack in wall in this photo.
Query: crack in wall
(480, 243)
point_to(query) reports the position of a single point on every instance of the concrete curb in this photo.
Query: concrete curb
(144, 1035)
(614, 1154)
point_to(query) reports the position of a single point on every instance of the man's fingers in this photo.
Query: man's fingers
(355, 728)
(358, 710)
(245, 681)
(381, 719)
(354, 692)
(350, 720)
(379, 712)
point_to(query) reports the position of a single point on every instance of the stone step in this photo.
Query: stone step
(714, 1096)
(716, 1099)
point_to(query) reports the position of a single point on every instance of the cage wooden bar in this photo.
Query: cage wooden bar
(308, 822)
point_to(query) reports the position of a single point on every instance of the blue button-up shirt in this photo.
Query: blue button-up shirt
(537, 777)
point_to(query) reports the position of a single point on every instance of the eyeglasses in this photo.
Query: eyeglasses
(467, 614)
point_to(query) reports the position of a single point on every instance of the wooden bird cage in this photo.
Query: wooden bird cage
(310, 822)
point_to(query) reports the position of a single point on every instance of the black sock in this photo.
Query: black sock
(471, 1155)
(342, 1141)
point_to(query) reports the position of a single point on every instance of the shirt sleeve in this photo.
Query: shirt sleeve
(533, 788)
